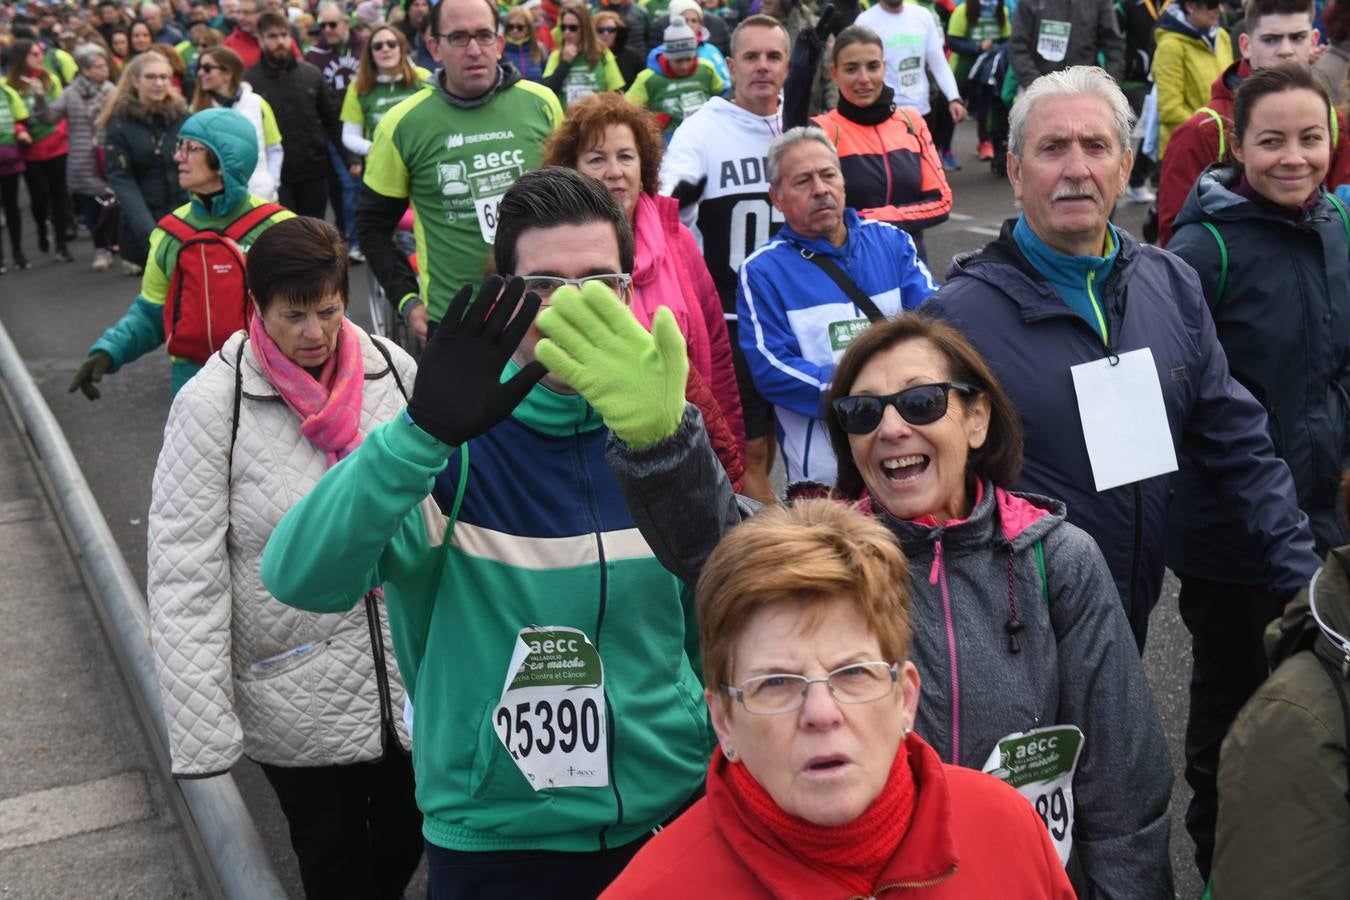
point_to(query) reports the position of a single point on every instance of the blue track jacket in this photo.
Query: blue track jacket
(795, 324)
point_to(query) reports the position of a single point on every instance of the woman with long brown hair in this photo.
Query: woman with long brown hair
(140, 125)
(221, 84)
(385, 76)
(522, 48)
(45, 156)
(581, 65)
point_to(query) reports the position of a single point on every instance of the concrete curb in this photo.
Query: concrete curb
(219, 828)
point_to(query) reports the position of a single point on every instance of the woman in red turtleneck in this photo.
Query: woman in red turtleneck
(824, 792)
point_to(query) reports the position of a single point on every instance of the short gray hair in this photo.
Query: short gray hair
(85, 55)
(1075, 81)
(773, 164)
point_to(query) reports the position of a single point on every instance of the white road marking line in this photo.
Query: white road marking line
(49, 815)
(982, 229)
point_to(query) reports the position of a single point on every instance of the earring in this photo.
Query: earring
(729, 753)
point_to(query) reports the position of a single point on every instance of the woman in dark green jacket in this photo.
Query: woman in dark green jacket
(141, 128)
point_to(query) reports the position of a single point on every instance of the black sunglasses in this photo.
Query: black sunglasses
(607, 29)
(329, 24)
(922, 404)
(571, 27)
(516, 26)
(383, 45)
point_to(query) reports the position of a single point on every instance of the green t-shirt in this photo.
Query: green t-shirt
(678, 98)
(454, 165)
(12, 112)
(581, 81)
(369, 108)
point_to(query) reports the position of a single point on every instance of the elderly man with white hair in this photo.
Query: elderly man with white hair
(1109, 353)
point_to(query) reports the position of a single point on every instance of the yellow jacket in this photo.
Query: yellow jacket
(1184, 69)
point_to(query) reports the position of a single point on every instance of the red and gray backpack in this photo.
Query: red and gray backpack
(208, 291)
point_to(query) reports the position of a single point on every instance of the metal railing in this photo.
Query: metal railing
(220, 830)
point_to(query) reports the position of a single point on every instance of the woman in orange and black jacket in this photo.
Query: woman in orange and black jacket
(892, 170)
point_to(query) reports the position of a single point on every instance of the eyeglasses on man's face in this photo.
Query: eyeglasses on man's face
(546, 285)
(460, 39)
(332, 25)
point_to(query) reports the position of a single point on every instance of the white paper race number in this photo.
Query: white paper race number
(551, 716)
(1040, 764)
(486, 209)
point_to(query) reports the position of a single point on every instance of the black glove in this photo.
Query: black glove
(458, 394)
(845, 13)
(90, 372)
(826, 22)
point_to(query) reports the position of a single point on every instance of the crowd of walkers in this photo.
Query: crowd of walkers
(509, 584)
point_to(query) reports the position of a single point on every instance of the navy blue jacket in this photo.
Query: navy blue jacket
(1284, 322)
(1031, 337)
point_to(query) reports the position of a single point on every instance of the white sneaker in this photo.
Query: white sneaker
(1141, 194)
(356, 256)
(102, 260)
(130, 268)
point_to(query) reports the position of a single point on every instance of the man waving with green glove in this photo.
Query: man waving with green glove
(551, 660)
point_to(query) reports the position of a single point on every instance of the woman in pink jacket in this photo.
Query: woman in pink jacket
(620, 144)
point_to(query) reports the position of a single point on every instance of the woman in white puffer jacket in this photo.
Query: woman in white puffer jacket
(315, 699)
(220, 84)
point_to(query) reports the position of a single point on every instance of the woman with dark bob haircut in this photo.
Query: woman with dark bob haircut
(1018, 629)
(314, 699)
(620, 145)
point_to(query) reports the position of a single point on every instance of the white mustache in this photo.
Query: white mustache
(1072, 193)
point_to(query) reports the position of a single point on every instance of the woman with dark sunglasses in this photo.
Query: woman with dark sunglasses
(522, 47)
(221, 85)
(581, 65)
(385, 77)
(1019, 632)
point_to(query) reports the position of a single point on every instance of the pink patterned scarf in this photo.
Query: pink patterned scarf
(329, 408)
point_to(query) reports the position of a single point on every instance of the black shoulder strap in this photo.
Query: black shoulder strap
(1345, 706)
(851, 290)
(238, 396)
(384, 351)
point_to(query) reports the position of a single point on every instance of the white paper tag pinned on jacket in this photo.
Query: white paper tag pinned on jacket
(551, 717)
(1120, 405)
(1040, 765)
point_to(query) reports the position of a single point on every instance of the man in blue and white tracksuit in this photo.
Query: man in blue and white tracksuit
(794, 307)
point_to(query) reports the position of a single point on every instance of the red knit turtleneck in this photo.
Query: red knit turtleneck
(852, 854)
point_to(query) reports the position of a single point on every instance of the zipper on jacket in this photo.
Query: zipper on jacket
(938, 575)
(599, 624)
(1097, 308)
(387, 727)
(901, 885)
(206, 289)
(885, 163)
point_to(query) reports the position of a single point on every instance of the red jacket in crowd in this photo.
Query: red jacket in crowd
(971, 837)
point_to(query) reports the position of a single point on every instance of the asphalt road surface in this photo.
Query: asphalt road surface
(55, 311)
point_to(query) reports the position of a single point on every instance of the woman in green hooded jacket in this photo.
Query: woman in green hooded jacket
(216, 153)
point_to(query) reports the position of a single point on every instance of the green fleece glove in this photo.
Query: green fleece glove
(635, 380)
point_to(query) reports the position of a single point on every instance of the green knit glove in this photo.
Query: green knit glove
(635, 380)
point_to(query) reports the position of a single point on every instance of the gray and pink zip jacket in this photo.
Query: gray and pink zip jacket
(1000, 647)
